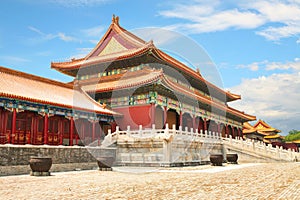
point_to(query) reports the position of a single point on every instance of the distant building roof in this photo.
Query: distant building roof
(261, 128)
(261, 125)
(273, 136)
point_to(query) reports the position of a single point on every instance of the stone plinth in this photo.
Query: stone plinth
(165, 153)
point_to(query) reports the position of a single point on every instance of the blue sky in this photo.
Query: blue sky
(255, 45)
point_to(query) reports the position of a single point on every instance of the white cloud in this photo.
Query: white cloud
(276, 33)
(194, 11)
(96, 31)
(254, 66)
(81, 52)
(160, 36)
(12, 60)
(94, 41)
(298, 41)
(36, 30)
(269, 66)
(213, 20)
(276, 18)
(78, 3)
(50, 36)
(284, 66)
(274, 98)
(277, 11)
(65, 38)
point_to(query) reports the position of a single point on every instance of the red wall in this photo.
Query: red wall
(134, 116)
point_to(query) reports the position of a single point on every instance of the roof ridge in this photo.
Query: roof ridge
(123, 33)
(33, 77)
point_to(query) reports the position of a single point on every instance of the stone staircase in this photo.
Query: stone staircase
(256, 151)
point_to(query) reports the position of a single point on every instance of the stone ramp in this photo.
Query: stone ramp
(256, 151)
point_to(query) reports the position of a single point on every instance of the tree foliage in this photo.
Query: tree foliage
(293, 135)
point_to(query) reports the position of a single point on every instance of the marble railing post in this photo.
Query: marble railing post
(167, 129)
(167, 151)
(153, 129)
(180, 130)
(140, 130)
(174, 128)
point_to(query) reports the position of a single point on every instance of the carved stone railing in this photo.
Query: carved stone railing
(251, 147)
(261, 149)
(162, 147)
(193, 135)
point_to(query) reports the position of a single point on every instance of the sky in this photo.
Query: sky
(254, 45)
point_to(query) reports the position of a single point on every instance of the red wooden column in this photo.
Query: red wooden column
(204, 125)
(200, 124)
(31, 135)
(239, 132)
(33, 130)
(2, 136)
(113, 126)
(194, 122)
(226, 130)
(36, 129)
(152, 114)
(61, 131)
(165, 114)
(46, 128)
(5, 122)
(233, 132)
(11, 137)
(93, 130)
(71, 131)
(2, 120)
(100, 133)
(180, 119)
(82, 132)
(219, 129)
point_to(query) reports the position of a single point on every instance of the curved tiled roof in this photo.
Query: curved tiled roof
(207, 100)
(145, 76)
(273, 136)
(125, 80)
(262, 126)
(23, 86)
(132, 46)
(77, 63)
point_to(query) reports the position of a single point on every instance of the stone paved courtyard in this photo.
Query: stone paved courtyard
(244, 181)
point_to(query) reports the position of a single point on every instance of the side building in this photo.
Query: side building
(135, 78)
(37, 111)
(261, 131)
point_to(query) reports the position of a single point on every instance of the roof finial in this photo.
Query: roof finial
(115, 19)
(198, 70)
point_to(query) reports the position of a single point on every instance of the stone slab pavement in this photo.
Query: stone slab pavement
(243, 181)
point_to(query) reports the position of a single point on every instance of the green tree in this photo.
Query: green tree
(293, 135)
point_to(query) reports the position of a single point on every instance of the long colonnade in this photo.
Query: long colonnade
(28, 127)
(184, 119)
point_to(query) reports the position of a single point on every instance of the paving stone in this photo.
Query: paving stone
(242, 181)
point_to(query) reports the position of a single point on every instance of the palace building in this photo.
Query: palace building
(36, 110)
(262, 131)
(124, 81)
(148, 86)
